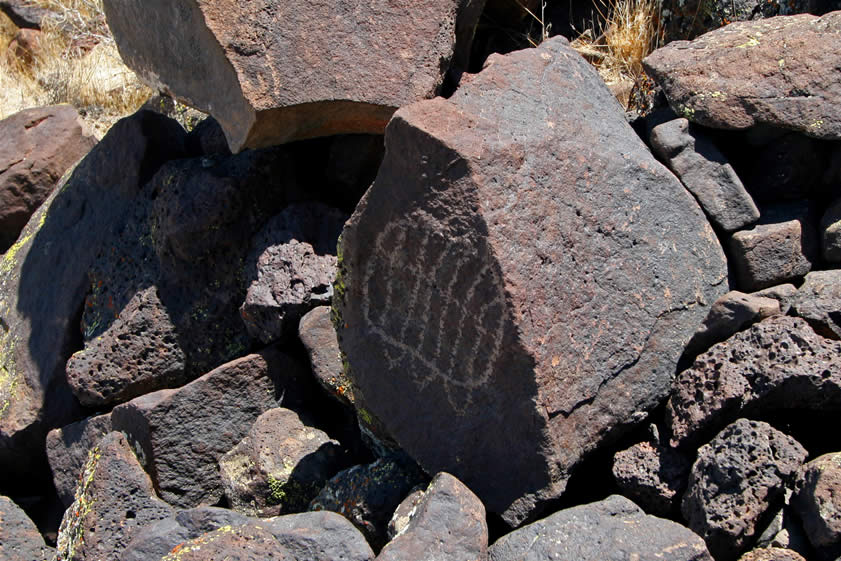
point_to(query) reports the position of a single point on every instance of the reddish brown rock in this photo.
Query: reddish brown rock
(729, 314)
(771, 554)
(520, 279)
(248, 542)
(778, 71)
(271, 72)
(24, 47)
(817, 500)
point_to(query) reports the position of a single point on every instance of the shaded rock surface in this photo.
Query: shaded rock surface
(318, 336)
(451, 313)
(271, 73)
(818, 301)
(737, 477)
(777, 71)
(598, 531)
(817, 500)
(67, 451)
(831, 233)
(19, 538)
(782, 293)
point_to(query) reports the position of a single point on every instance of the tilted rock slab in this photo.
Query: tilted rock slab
(67, 451)
(817, 499)
(780, 71)
(272, 72)
(520, 279)
(19, 537)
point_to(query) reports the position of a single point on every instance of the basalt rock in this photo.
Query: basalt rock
(67, 451)
(818, 301)
(771, 554)
(831, 233)
(318, 336)
(817, 500)
(514, 286)
(19, 538)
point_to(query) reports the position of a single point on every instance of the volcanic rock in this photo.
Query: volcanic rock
(67, 451)
(771, 554)
(818, 301)
(730, 314)
(318, 336)
(19, 537)
(817, 500)
(831, 233)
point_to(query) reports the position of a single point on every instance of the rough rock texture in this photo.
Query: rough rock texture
(24, 13)
(367, 495)
(735, 480)
(293, 259)
(600, 531)
(831, 233)
(771, 554)
(730, 314)
(180, 434)
(779, 363)
(67, 451)
(782, 293)
(271, 72)
(817, 500)
(818, 301)
(24, 47)
(704, 170)
(318, 336)
(778, 71)
(19, 538)
(280, 466)
(36, 147)
(448, 522)
(785, 531)
(44, 279)
(510, 287)
(247, 542)
(114, 499)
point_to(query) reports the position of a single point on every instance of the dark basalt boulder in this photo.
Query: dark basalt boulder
(67, 451)
(19, 537)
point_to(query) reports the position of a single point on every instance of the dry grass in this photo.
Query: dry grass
(77, 62)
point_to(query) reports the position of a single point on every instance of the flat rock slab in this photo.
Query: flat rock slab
(520, 279)
(779, 363)
(778, 71)
(817, 500)
(614, 528)
(272, 72)
(19, 538)
(818, 301)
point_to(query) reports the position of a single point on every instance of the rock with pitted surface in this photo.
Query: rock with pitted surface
(245, 542)
(614, 528)
(509, 289)
(734, 482)
(817, 500)
(67, 451)
(779, 363)
(818, 301)
(730, 314)
(831, 233)
(19, 538)
(271, 72)
(771, 554)
(777, 71)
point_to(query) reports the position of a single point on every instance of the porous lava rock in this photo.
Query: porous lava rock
(608, 529)
(447, 522)
(247, 542)
(271, 72)
(817, 500)
(771, 554)
(19, 538)
(44, 280)
(777, 364)
(737, 477)
(318, 336)
(818, 301)
(67, 452)
(778, 71)
(520, 279)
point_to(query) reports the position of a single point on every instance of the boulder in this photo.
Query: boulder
(114, 499)
(293, 264)
(67, 451)
(817, 500)
(36, 147)
(44, 279)
(775, 71)
(782, 293)
(777, 364)
(272, 73)
(831, 233)
(818, 301)
(181, 434)
(447, 522)
(614, 528)
(520, 279)
(246, 542)
(734, 482)
(280, 466)
(318, 336)
(730, 314)
(771, 554)
(704, 170)
(19, 538)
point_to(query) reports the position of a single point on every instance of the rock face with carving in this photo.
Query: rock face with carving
(520, 280)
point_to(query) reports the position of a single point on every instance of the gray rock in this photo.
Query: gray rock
(67, 451)
(831, 233)
(447, 522)
(318, 336)
(19, 538)
(504, 289)
(614, 528)
(704, 170)
(736, 479)
(730, 314)
(782, 293)
(818, 301)
(817, 500)
(785, 531)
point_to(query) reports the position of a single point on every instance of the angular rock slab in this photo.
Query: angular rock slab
(779, 71)
(817, 500)
(818, 301)
(614, 528)
(67, 451)
(271, 72)
(19, 538)
(520, 279)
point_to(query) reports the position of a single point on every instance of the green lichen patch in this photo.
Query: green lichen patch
(71, 535)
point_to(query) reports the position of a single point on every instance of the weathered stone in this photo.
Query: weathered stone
(44, 279)
(614, 528)
(704, 170)
(730, 314)
(782, 293)
(24, 13)
(280, 466)
(404, 512)
(817, 500)
(735, 480)
(67, 451)
(831, 233)
(36, 147)
(779, 363)
(776, 71)
(114, 498)
(818, 301)
(19, 538)
(448, 522)
(318, 336)
(367, 495)
(771, 554)
(294, 263)
(180, 434)
(508, 289)
(785, 531)
(271, 73)
(247, 542)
